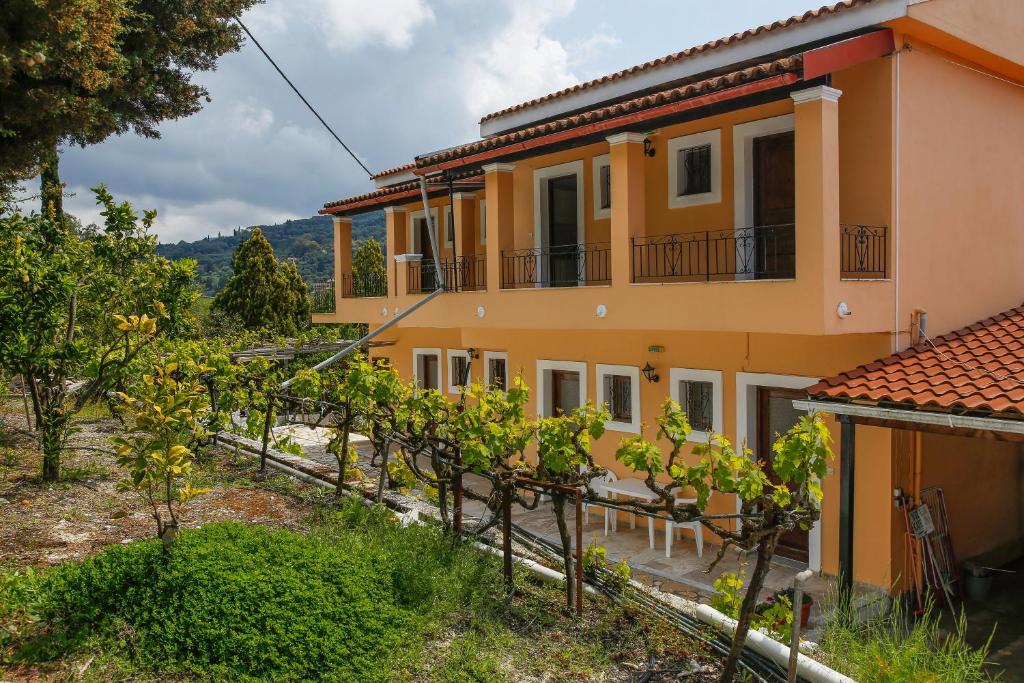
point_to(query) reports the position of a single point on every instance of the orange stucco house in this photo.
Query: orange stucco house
(727, 225)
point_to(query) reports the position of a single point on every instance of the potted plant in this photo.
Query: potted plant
(805, 608)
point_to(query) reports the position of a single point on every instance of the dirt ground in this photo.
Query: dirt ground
(48, 523)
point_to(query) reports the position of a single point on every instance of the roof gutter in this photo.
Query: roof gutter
(608, 125)
(988, 424)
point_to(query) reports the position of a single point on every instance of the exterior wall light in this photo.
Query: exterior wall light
(480, 311)
(843, 310)
(473, 353)
(601, 311)
(649, 373)
(649, 147)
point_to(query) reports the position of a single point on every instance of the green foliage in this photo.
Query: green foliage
(78, 71)
(369, 276)
(310, 241)
(774, 618)
(898, 647)
(352, 601)
(59, 286)
(166, 417)
(262, 292)
(491, 427)
(621, 574)
(594, 558)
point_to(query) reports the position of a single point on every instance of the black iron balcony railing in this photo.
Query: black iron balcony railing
(355, 286)
(572, 265)
(467, 273)
(322, 296)
(863, 252)
(757, 253)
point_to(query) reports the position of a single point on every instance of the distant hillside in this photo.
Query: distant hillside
(307, 240)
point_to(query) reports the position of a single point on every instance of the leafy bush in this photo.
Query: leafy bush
(353, 601)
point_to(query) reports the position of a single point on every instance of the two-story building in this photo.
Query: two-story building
(725, 225)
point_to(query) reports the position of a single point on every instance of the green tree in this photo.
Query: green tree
(262, 292)
(369, 277)
(57, 297)
(78, 71)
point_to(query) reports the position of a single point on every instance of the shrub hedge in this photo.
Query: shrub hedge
(352, 601)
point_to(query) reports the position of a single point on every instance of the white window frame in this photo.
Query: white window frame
(543, 368)
(540, 175)
(746, 422)
(416, 354)
(743, 136)
(677, 375)
(599, 162)
(414, 235)
(495, 355)
(675, 145)
(449, 216)
(483, 221)
(633, 372)
(454, 388)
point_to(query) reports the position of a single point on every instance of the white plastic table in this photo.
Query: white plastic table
(633, 488)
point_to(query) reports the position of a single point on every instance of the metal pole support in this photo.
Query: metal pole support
(506, 528)
(579, 553)
(798, 600)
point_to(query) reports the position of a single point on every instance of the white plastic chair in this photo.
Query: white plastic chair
(600, 490)
(696, 527)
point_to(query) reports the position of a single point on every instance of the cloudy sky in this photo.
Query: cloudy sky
(394, 78)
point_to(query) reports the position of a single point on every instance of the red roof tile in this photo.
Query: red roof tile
(680, 56)
(977, 368)
(385, 194)
(393, 170)
(682, 92)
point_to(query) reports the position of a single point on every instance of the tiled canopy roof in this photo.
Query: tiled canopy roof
(394, 192)
(977, 368)
(680, 56)
(392, 171)
(670, 95)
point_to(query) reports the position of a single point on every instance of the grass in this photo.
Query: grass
(359, 598)
(896, 647)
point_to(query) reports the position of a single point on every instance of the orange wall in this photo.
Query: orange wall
(961, 205)
(981, 480)
(727, 352)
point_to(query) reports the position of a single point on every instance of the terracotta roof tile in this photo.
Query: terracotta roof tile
(393, 170)
(680, 56)
(675, 94)
(382, 195)
(979, 367)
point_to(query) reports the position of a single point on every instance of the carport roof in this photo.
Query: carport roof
(976, 369)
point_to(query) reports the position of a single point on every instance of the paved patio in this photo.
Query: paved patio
(684, 574)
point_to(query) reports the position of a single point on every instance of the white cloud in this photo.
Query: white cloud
(348, 25)
(181, 220)
(522, 61)
(251, 118)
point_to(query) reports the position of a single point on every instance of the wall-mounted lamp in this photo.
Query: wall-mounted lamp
(473, 353)
(650, 374)
(649, 147)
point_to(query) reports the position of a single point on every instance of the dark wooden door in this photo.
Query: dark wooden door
(775, 415)
(774, 206)
(565, 391)
(562, 231)
(428, 271)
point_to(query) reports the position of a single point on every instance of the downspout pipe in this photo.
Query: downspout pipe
(405, 314)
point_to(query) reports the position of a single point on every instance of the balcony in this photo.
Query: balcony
(863, 252)
(572, 265)
(466, 273)
(359, 286)
(766, 252)
(322, 296)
